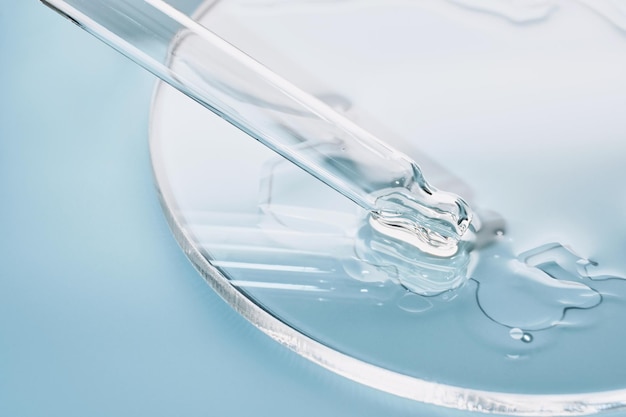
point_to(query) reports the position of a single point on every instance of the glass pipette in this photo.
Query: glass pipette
(293, 123)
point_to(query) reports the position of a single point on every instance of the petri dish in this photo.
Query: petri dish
(510, 105)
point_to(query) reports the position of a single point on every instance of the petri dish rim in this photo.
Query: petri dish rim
(395, 383)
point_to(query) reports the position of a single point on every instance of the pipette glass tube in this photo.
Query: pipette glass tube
(304, 130)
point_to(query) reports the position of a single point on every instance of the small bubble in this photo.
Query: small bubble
(499, 232)
(517, 333)
(527, 338)
(364, 290)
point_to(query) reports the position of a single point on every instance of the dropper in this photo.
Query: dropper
(293, 123)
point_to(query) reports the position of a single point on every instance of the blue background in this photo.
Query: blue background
(101, 314)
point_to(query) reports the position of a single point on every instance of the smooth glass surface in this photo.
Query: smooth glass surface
(518, 110)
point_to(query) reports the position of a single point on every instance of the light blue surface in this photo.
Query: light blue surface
(100, 311)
